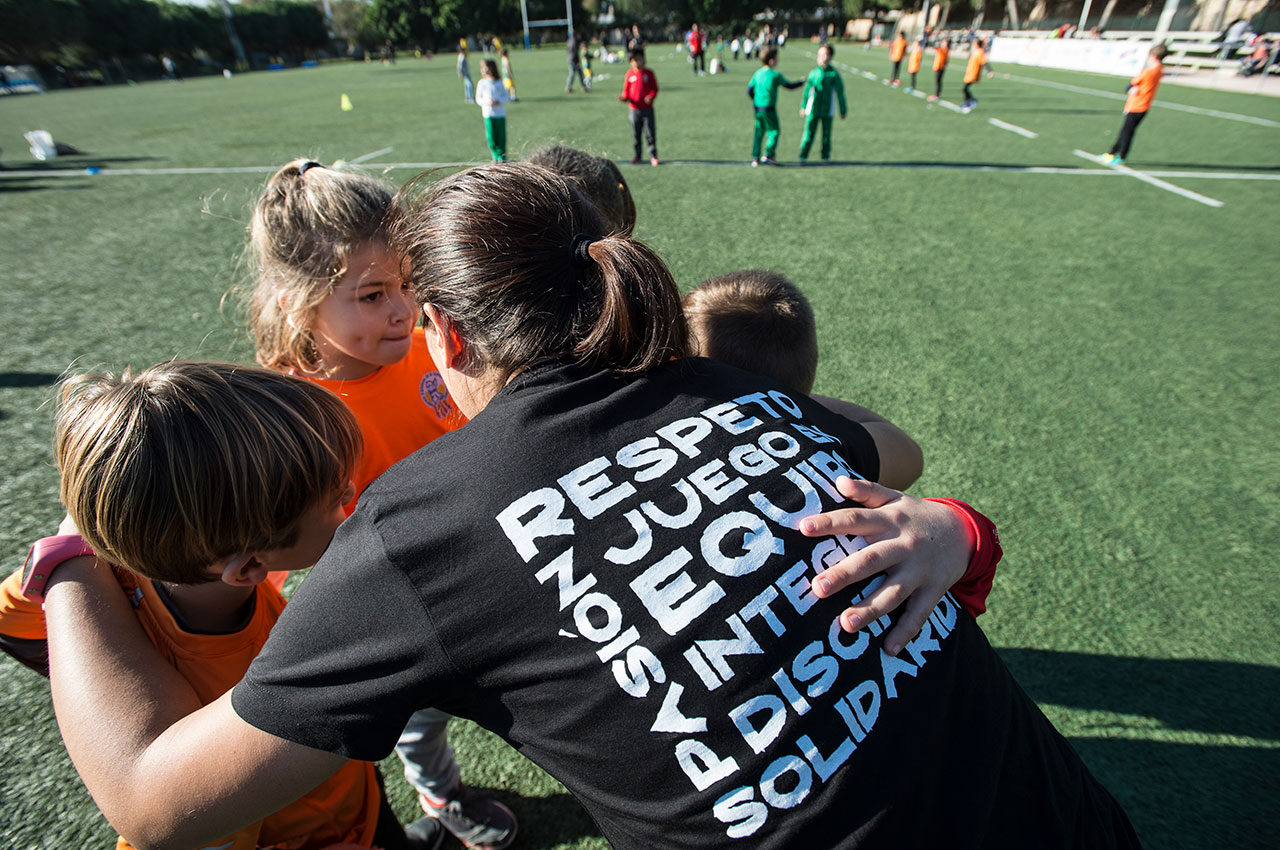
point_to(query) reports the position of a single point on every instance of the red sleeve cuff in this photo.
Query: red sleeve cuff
(974, 586)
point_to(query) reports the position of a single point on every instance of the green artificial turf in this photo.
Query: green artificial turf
(1089, 359)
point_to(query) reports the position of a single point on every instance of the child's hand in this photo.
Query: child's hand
(923, 548)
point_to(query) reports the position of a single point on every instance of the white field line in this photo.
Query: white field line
(371, 155)
(1164, 104)
(1160, 184)
(941, 166)
(1013, 128)
(949, 105)
(917, 93)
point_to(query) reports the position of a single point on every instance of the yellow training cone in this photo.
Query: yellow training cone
(346, 103)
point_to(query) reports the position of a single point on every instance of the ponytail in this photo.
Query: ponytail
(635, 287)
(524, 267)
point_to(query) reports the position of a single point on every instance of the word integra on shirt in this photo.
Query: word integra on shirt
(768, 441)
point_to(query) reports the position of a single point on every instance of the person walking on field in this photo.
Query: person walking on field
(698, 50)
(940, 67)
(822, 89)
(1142, 90)
(973, 71)
(639, 88)
(464, 71)
(897, 48)
(763, 91)
(575, 65)
(913, 62)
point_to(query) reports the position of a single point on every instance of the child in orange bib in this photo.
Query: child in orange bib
(1142, 90)
(973, 71)
(331, 305)
(897, 48)
(940, 67)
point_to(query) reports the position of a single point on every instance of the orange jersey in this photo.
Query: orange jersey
(896, 48)
(940, 58)
(1142, 89)
(913, 61)
(973, 70)
(20, 617)
(343, 808)
(400, 408)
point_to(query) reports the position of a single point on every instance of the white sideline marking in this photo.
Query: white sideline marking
(1212, 113)
(1147, 178)
(949, 105)
(371, 155)
(917, 93)
(940, 166)
(1013, 128)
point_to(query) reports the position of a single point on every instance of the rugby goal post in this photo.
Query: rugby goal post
(566, 21)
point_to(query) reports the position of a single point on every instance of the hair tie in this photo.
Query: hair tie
(311, 163)
(581, 242)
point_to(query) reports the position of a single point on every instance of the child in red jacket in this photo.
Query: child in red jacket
(639, 88)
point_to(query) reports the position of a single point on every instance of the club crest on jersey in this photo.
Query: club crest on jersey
(435, 394)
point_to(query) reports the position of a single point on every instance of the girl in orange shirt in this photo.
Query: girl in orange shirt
(1142, 90)
(330, 305)
(897, 47)
(977, 61)
(913, 61)
(939, 67)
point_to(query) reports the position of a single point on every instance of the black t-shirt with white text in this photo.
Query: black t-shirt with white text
(606, 572)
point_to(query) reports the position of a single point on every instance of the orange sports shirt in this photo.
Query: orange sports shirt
(940, 58)
(343, 808)
(913, 62)
(973, 70)
(20, 617)
(1142, 89)
(400, 409)
(897, 48)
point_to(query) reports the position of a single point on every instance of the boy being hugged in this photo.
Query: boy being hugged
(822, 89)
(763, 91)
(193, 480)
(639, 89)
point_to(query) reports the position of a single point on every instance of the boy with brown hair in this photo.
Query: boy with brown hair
(1142, 90)
(193, 480)
(759, 321)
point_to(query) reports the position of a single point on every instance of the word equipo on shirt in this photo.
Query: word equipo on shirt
(679, 590)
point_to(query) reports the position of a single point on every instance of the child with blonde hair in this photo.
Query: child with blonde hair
(193, 480)
(330, 305)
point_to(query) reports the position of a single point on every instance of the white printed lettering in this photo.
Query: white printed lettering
(751, 461)
(703, 767)
(632, 675)
(775, 771)
(612, 624)
(790, 519)
(590, 489)
(811, 664)
(718, 650)
(824, 766)
(758, 543)
(547, 522)
(637, 550)
(685, 434)
(891, 667)
(671, 719)
(692, 508)
(760, 737)
(713, 483)
(740, 809)
(562, 568)
(647, 456)
(760, 607)
(730, 418)
(670, 595)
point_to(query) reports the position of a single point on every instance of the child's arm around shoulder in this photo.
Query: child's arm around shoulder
(165, 772)
(901, 460)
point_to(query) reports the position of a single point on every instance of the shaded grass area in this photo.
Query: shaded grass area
(1090, 360)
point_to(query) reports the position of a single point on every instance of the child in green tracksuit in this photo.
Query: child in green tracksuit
(763, 91)
(822, 88)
